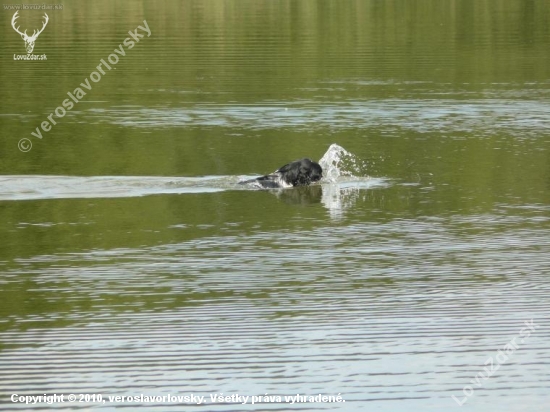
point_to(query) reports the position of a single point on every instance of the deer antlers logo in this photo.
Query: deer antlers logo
(29, 40)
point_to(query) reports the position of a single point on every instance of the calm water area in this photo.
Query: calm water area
(414, 277)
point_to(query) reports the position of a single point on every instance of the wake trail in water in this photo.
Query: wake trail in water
(65, 187)
(341, 170)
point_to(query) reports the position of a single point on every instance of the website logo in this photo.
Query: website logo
(29, 40)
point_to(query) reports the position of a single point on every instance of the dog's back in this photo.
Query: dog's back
(298, 173)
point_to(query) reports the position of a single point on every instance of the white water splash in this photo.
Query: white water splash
(347, 178)
(337, 162)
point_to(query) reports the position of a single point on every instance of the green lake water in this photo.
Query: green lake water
(131, 261)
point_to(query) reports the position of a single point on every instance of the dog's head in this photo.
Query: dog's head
(301, 172)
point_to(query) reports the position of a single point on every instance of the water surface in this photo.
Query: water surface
(133, 263)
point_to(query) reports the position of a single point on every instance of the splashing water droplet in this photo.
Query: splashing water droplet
(337, 162)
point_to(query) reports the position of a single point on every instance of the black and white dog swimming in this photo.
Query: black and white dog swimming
(301, 172)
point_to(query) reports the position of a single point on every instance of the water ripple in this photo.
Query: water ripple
(484, 116)
(403, 310)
